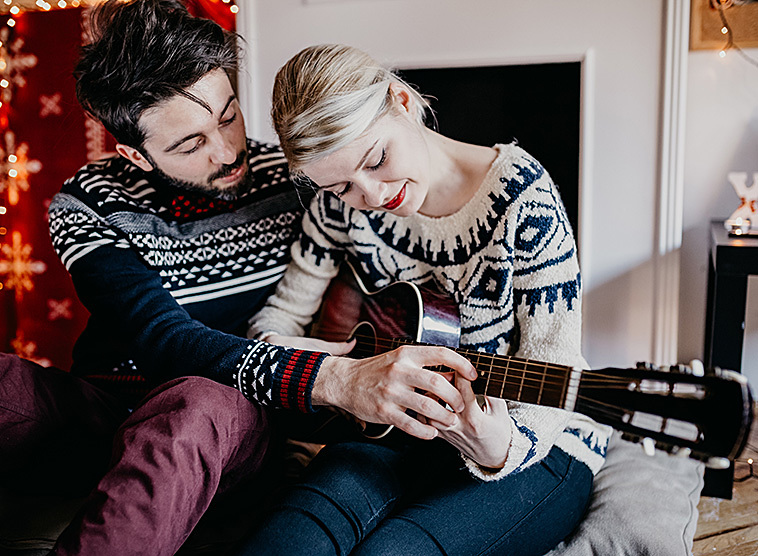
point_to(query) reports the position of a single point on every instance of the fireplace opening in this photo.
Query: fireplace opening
(536, 105)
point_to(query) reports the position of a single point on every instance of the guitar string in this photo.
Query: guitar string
(509, 360)
(588, 377)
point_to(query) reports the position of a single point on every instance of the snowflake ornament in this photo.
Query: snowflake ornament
(12, 64)
(16, 168)
(16, 263)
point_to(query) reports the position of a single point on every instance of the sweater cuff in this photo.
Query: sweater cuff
(294, 377)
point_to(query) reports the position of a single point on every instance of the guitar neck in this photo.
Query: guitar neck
(521, 380)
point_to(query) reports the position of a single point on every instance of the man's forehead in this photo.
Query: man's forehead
(190, 111)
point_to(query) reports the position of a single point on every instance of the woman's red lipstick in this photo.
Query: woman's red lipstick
(396, 201)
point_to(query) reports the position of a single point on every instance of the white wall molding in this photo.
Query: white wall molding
(248, 82)
(671, 183)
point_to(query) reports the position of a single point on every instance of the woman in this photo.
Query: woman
(484, 225)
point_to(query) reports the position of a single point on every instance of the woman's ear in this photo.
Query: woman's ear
(402, 98)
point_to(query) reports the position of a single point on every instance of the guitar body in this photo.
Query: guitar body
(401, 311)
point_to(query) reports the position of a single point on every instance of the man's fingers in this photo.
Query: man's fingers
(429, 356)
(467, 393)
(438, 386)
(412, 426)
(427, 407)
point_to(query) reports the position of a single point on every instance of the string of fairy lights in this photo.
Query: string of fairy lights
(726, 30)
(17, 268)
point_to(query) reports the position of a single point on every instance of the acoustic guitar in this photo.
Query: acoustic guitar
(706, 416)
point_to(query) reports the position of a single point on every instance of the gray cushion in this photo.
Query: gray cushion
(641, 506)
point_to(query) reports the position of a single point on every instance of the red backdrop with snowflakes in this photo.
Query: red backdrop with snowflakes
(44, 139)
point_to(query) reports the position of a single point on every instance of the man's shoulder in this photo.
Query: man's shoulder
(112, 182)
(267, 163)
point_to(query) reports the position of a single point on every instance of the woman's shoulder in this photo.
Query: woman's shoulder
(515, 171)
(512, 157)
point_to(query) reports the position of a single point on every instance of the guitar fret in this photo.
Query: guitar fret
(523, 374)
(542, 384)
(489, 374)
(505, 376)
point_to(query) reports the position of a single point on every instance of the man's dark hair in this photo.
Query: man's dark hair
(144, 52)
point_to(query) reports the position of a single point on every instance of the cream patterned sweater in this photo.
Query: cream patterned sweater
(508, 258)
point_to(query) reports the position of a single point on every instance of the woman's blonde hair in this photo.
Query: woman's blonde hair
(326, 96)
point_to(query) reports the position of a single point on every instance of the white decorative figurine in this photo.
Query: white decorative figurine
(744, 220)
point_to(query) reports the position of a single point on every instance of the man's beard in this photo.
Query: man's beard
(227, 194)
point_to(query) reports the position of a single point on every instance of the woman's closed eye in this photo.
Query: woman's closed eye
(344, 190)
(381, 161)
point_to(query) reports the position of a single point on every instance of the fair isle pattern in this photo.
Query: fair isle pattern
(197, 260)
(254, 384)
(507, 257)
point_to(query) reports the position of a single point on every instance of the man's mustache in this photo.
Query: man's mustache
(227, 169)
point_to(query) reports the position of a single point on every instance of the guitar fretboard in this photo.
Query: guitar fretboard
(517, 379)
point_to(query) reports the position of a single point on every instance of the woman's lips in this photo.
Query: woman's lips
(396, 201)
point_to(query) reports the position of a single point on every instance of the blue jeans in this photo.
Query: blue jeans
(417, 498)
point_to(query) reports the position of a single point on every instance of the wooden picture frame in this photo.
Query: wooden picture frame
(705, 25)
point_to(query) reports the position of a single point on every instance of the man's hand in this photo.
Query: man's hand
(311, 344)
(381, 388)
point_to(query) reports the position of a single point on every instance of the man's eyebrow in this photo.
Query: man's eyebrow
(176, 144)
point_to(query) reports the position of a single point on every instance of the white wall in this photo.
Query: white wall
(621, 139)
(722, 136)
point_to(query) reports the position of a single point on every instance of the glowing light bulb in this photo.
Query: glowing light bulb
(11, 22)
(3, 210)
(61, 3)
(722, 54)
(12, 158)
(14, 10)
(13, 172)
(8, 2)
(3, 230)
(75, 3)
(724, 30)
(750, 461)
(4, 83)
(234, 9)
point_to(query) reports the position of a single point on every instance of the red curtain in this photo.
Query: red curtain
(44, 139)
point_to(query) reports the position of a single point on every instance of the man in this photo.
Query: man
(172, 246)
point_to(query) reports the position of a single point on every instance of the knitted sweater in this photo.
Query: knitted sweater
(507, 257)
(171, 277)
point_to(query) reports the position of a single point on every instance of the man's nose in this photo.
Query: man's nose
(223, 150)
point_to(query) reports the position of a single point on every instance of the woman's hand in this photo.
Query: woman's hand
(310, 344)
(482, 434)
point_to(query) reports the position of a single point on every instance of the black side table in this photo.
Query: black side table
(731, 260)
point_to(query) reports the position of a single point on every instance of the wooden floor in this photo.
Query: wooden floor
(730, 527)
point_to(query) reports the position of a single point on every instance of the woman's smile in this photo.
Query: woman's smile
(396, 201)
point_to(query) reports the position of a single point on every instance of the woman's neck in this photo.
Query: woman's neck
(458, 170)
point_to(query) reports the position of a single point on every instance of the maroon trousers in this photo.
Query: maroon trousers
(154, 471)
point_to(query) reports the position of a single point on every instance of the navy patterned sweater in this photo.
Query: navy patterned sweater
(508, 258)
(170, 277)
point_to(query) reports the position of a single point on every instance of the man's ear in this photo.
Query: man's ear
(134, 156)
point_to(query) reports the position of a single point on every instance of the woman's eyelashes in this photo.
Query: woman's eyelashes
(381, 161)
(344, 190)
